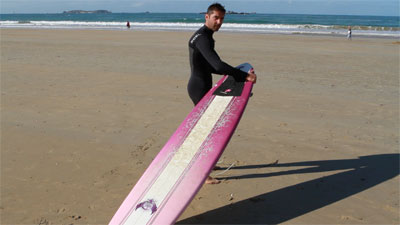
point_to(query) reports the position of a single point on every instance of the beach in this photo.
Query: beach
(84, 112)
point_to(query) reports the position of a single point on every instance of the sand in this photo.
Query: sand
(83, 113)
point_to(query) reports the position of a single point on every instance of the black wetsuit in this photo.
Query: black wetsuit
(204, 61)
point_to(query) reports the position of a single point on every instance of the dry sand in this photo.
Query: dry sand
(84, 112)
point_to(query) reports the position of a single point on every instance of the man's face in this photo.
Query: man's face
(215, 20)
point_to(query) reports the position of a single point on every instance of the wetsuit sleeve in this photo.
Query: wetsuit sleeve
(220, 67)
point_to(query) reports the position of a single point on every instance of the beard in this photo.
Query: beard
(217, 27)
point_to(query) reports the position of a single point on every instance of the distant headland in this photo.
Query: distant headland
(86, 12)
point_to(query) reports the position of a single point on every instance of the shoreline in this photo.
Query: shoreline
(132, 29)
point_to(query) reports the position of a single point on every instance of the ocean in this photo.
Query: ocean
(372, 26)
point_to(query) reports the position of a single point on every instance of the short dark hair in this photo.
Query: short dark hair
(215, 7)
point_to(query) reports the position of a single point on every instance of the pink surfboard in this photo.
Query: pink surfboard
(179, 170)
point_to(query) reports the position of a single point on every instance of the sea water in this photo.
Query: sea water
(374, 26)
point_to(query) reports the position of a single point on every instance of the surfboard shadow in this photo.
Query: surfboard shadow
(287, 203)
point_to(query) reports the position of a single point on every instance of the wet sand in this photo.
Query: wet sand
(83, 113)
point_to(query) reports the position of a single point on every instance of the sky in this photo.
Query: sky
(331, 7)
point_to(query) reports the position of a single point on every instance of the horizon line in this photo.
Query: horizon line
(317, 14)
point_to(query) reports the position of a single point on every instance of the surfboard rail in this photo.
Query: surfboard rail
(179, 170)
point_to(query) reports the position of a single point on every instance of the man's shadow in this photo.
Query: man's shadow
(287, 203)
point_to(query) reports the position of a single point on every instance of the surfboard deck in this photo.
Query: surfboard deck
(179, 170)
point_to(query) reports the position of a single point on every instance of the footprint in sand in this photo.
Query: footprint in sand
(142, 148)
(43, 221)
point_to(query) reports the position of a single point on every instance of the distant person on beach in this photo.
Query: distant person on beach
(204, 60)
(128, 25)
(349, 33)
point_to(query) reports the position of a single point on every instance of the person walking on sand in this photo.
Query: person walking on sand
(204, 60)
(349, 33)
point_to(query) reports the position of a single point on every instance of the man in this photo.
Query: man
(204, 60)
(349, 33)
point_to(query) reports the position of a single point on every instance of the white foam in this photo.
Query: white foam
(230, 27)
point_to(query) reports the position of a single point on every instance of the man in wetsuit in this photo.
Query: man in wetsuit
(204, 60)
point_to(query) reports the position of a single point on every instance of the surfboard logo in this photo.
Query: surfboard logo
(148, 205)
(226, 91)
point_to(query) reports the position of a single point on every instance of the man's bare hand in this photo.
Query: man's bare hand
(252, 77)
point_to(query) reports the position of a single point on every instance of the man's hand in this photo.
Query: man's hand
(251, 76)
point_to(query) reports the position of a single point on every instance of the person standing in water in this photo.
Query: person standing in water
(349, 33)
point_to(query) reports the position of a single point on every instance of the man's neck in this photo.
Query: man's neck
(209, 29)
